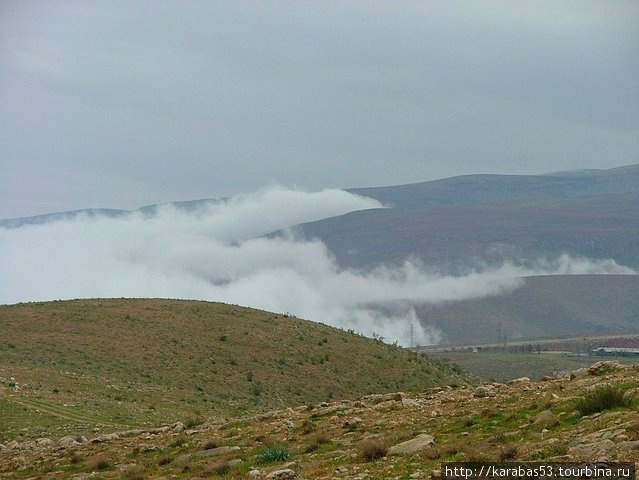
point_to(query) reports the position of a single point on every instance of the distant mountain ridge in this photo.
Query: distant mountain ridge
(148, 210)
(488, 188)
(465, 189)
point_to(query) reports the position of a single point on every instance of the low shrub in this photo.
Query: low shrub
(603, 398)
(99, 462)
(319, 438)
(508, 453)
(274, 453)
(373, 449)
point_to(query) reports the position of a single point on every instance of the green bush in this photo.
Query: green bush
(603, 398)
(275, 453)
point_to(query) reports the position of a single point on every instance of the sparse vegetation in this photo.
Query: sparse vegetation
(193, 422)
(465, 427)
(99, 462)
(211, 443)
(133, 472)
(93, 350)
(373, 449)
(272, 454)
(316, 440)
(508, 453)
(603, 398)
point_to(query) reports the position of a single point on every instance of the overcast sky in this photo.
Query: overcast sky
(120, 104)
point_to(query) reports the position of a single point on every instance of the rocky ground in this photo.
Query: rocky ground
(390, 436)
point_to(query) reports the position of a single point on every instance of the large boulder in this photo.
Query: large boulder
(284, 474)
(545, 419)
(601, 368)
(417, 444)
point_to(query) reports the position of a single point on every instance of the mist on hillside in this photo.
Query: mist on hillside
(220, 253)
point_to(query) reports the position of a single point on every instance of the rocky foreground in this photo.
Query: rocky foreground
(391, 436)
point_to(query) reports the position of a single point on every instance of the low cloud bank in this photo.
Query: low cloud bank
(217, 254)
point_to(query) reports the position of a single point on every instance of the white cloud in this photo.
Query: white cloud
(218, 253)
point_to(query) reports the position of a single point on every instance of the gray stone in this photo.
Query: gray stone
(213, 452)
(282, 474)
(545, 419)
(67, 441)
(383, 397)
(601, 368)
(579, 373)
(481, 392)
(417, 444)
(597, 451)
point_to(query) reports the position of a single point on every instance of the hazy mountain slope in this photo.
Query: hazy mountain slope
(546, 306)
(473, 189)
(187, 206)
(127, 362)
(461, 190)
(456, 237)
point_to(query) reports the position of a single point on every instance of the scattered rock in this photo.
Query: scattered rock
(417, 444)
(598, 451)
(282, 474)
(481, 392)
(254, 475)
(44, 442)
(579, 373)
(376, 398)
(353, 423)
(213, 452)
(178, 427)
(67, 441)
(12, 445)
(601, 368)
(545, 419)
(519, 380)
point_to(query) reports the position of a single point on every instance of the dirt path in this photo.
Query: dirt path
(60, 411)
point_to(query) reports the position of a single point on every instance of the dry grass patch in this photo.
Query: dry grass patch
(99, 462)
(211, 443)
(373, 449)
(220, 468)
(134, 472)
(508, 453)
(632, 430)
(307, 426)
(319, 438)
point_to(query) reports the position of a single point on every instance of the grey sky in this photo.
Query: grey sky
(121, 104)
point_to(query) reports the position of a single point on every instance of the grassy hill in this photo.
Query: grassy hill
(69, 365)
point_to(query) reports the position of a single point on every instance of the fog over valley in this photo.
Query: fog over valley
(219, 252)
